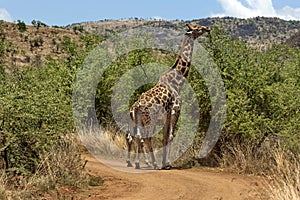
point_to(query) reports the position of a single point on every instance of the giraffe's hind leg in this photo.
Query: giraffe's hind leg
(139, 146)
(138, 153)
(145, 152)
(129, 141)
(149, 144)
(141, 150)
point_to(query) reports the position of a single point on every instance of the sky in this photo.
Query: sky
(65, 12)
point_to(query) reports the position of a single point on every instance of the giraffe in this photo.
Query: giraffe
(161, 104)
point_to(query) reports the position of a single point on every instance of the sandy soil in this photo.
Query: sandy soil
(194, 184)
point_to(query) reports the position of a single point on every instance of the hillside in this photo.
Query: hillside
(32, 45)
(294, 40)
(259, 32)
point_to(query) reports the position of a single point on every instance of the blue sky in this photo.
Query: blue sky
(64, 12)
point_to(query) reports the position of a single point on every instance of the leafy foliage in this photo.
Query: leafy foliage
(138, 60)
(36, 109)
(262, 89)
(21, 26)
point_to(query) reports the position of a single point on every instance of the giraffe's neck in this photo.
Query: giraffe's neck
(186, 49)
(175, 77)
(184, 59)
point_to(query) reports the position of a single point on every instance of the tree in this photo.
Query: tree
(21, 25)
(38, 24)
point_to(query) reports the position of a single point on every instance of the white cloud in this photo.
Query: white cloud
(254, 8)
(290, 13)
(4, 15)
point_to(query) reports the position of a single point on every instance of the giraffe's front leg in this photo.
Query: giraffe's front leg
(169, 128)
(166, 153)
(166, 135)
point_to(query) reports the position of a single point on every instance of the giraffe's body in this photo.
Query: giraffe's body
(161, 104)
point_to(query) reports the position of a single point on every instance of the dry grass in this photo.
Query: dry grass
(246, 157)
(285, 184)
(271, 160)
(3, 183)
(62, 166)
(107, 143)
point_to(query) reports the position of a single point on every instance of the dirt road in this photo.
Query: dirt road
(194, 184)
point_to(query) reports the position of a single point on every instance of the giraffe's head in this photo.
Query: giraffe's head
(197, 30)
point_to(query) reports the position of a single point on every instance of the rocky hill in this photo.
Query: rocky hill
(25, 45)
(259, 32)
(294, 40)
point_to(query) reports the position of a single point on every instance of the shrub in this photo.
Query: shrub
(21, 25)
(38, 23)
(261, 90)
(60, 166)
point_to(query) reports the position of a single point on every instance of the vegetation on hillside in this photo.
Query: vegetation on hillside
(258, 32)
(294, 41)
(33, 45)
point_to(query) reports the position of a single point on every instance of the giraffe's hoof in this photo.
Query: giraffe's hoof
(167, 167)
(148, 164)
(137, 166)
(129, 164)
(155, 167)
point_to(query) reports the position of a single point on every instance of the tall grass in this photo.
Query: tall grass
(247, 156)
(61, 166)
(285, 178)
(270, 159)
(108, 143)
(3, 183)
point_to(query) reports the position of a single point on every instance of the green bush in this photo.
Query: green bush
(21, 25)
(34, 111)
(262, 89)
(36, 108)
